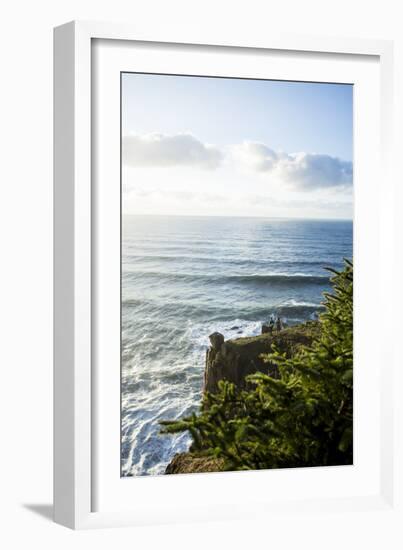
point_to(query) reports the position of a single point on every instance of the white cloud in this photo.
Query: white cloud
(162, 150)
(301, 170)
(255, 155)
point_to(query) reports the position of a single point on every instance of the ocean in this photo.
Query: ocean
(186, 277)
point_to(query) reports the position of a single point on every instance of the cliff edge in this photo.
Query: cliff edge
(233, 360)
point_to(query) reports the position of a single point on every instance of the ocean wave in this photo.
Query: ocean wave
(218, 313)
(224, 259)
(299, 311)
(281, 278)
(256, 278)
(185, 306)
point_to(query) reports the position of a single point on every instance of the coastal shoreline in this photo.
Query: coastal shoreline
(233, 360)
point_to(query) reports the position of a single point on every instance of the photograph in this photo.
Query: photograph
(236, 282)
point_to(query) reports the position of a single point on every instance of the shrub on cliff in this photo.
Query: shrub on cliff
(304, 418)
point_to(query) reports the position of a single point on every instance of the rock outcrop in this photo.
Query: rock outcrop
(189, 463)
(235, 359)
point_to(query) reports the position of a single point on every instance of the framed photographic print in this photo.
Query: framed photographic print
(223, 254)
(221, 223)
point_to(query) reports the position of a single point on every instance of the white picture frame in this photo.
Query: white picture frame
(77, 471)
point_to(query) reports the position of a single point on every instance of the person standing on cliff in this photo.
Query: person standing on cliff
(279, 324)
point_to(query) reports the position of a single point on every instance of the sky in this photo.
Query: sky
(236, 147)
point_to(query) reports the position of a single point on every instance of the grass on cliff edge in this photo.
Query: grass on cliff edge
(254, 349)
(304, 418)
(293, 334)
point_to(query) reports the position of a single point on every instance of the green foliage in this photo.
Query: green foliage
(304, 418)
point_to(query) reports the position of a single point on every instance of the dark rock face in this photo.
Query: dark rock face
(216, 340)
(235, 359)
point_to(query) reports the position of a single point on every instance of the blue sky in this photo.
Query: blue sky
(291, 116)
(284, 142)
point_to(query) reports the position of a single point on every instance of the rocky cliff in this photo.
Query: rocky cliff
(233, 360)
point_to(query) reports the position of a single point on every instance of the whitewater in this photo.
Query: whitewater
(186, 277)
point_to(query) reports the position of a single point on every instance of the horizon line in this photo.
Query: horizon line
(239, 216)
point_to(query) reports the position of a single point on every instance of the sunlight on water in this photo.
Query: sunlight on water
(184, 278)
